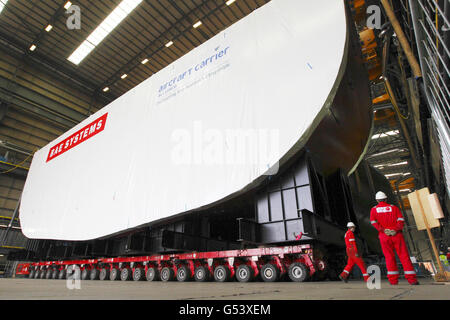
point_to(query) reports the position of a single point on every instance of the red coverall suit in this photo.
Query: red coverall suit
(386, 216)
(352, 251)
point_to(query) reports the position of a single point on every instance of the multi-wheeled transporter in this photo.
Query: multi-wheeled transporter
(214, 165)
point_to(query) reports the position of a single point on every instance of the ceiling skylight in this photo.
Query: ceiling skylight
(2, 4)
(105, 28)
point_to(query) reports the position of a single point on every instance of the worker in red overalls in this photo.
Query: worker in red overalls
(389, 221)
(353, 256)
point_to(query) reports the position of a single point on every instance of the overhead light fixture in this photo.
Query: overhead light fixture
(391, 165)
(393, 175)
(397, 174)
(67, 5)
(168, 44)
(386, 134)
(124, 76)
(106, 89)
(104, 29)
(197, 24)
(3, 4)
(33, 47)
(144, 61)
(398, 164)
(230, 2)
(49, 28)
(385, 152)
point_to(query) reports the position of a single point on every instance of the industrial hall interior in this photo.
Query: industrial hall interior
(225, 150)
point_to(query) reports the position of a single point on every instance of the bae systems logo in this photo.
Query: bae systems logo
(78, 137)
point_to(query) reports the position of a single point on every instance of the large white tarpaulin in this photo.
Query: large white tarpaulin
(198, 131)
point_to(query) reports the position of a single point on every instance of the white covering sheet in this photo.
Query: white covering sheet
(172, 144)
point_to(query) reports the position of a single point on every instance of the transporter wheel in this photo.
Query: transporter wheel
(55, 274)
(85, 274)
(244, 273)
(93, 275)
(298, 272)
(125, 274)
(114, 274)
(42, 274)
(48, 274)
(138, 274)
(37, 274)
(31, 275)
(62, 274)
(184, 274)
(269, 273)
(152, 274)
(201, 274)
(104, 274)
(167, 274)
(222, 274)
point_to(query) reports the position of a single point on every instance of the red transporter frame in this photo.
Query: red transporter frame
(270, 263)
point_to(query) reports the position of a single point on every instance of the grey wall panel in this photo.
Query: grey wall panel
(276, 207)
(304, 198)
(290, 204)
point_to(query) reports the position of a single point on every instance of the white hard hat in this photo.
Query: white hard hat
(380, 195)
(350, 224)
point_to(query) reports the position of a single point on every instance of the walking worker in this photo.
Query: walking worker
(389, 221)
(353, 256)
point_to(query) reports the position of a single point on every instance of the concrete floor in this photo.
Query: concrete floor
(118, 290)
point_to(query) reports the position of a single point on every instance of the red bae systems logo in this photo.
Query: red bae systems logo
(78, 137)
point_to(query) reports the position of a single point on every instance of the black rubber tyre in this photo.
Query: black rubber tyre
(201, 274)
(62, 274)
(42, 274)
(55, 274)
(152, 274)
(104, 274)
(244, 273)
(222, 274)
(114, 274)
(167, 274)
(269, 273)
(138, 274)
(184, 274)
(31, 275)
(94, 274)
(298, 272)
(125, 274)
(85, 274)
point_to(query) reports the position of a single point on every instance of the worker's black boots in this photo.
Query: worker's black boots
(343, 279)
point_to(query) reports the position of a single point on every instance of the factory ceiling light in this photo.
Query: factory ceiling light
(168, 44)
(49, 28)
(197, 24)
(67, 5)
(124, 76)
(386, 134)
(33, 47)
(103, 30)
(144, 61)
(230, 2)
